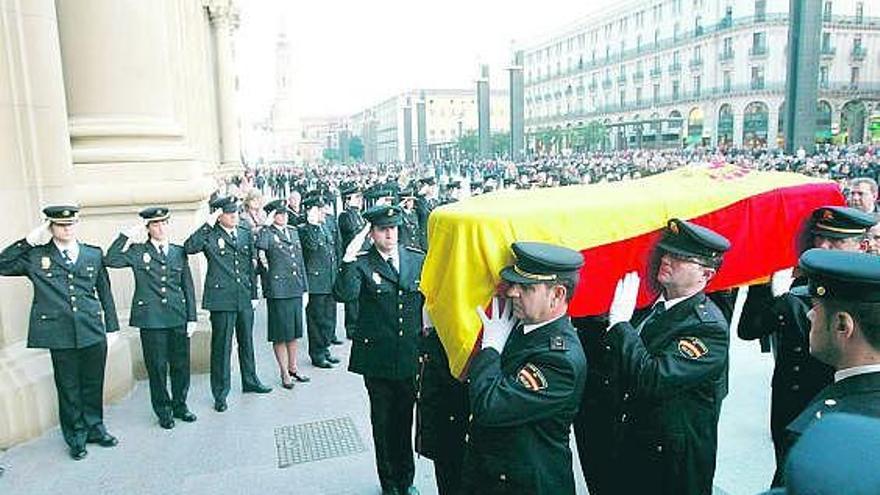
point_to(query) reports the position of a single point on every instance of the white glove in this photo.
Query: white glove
(497, 329)
(780, 282)
(305, 299)
(39, 235)
(191, 328)
(354, 247)
(254, 303)
(136, 233)
(270, 218)
(624, 303)
(212, 218)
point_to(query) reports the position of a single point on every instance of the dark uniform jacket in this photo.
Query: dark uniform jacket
(673, 377)
(390, 316)
(350, 223)
(321, 261)
(858, 394)
(283, 268)
(72, 306)
(443, 407)
(230, 283)
(410, 232)
(164, 294)
(523, 403)
(424, 207)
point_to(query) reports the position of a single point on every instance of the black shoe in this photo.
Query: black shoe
(322, 364)
(300, 377)
(259, 388)
(104, 440)
(336, 342)
(166, 422)
(333, 359)
(185, 415)
(220, 405)
(78, 453)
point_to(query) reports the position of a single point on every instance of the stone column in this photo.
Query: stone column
(517, 142)
(483, 108)
(407, 132)
(36, 165)
(773, 125)
(224, 18)
(738, 127)
(422, 129)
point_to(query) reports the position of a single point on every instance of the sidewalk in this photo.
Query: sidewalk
(235, 452)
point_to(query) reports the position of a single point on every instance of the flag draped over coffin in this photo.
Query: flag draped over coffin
(615, 226)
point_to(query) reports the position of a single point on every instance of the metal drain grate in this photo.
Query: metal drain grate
(310, 442)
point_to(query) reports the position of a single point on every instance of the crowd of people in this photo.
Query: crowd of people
(642, 388)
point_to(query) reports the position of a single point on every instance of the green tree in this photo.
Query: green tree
(356, 148)
(468, 144)
(500, 144)
(331, 154)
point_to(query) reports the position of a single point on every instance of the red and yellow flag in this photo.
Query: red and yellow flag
(615, 226)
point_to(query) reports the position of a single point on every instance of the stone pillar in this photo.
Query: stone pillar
(738, 128)
(407, 132)
(517, 104)
(422, 129)
(36, 165)
(773, 125)
(224, 17)
(484, 130)
(802, 85)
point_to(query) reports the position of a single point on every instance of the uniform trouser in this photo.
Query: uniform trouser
(391, 414)
(223, 325)
(351, 319)
(79, 381)
(447, 470)
(320, 324)
(166, 351)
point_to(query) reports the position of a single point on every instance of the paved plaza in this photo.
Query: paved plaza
(236, 452)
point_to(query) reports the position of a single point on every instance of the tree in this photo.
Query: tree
(356, 148)
(468, 144)
(331, 154)
(500, 144)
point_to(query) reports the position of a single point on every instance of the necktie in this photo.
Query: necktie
(66, 254)
(655, 313)
(162, 250)
(390, 262)
(234, 238)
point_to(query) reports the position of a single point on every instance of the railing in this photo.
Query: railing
(639, 76)
(696, 63)
(621, 79)
(828, 51)
(758, 51)
(674, 68)
(656, 72)
(726, 56)
(858, 53)
(606, 84)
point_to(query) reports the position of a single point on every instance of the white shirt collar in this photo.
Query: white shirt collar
(535, 326)
(672, 302)
(156, 244)
(230, 232)
(856, 370)
(395, 258)
(72, 249)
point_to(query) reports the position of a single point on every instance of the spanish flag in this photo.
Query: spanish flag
(614, 226)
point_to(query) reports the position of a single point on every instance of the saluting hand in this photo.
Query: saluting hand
(212, 218)
(191, 328)
(136, 233)
(780, 282)
(354, 247)
(624, 303)
(270, 218)
(39, 235)
(497, 328)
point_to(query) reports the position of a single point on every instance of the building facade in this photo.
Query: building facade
(672, 72)
(449, 114)
(320, 134)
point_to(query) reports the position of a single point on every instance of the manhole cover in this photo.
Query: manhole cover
(309, 442)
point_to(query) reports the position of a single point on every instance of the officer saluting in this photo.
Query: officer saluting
(163, 307)
(71, 309)
(525, 384)
(672, 367)
(230, 295)
(385, 282)
(350, 223)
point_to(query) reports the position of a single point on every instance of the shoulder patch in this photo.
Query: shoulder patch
(363, 253)
(557, 343)
(704, 313)
(531, 377)
(692, 347)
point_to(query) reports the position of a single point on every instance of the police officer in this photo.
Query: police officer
(280, 254)
(72, 308)
(673, 369)
(410, 232)
(163, 307)
(319, 253)
(525, 384)
(331, 227)
(425, 204)
(844, 333)
(230, 295)
(772, 312)
(350, 223)
(385, 281)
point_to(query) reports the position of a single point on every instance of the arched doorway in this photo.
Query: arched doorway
(725, 125)
(672, 132)
(755, 119)
(823, 122)
(852, 121)
(695, 127)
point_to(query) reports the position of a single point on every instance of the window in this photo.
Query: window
(760, 10)
(675, 90)
(698, 26)
(826, 14)
(697, 86)
(757, 77)
(826, 42)
(676, 58)
(656, 37)
(857, 43)
(656, 94)
(728, 47)
(823, 77)
(639, 43)
(726, 84)
(697, 54)
(854, 77)
(657, 64)
(638, 96)
(675, 31)
(622, 97)
(860, 12)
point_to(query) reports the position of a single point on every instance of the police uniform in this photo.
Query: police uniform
(424, 207)
(523, 400)
(350, 223)
(672, 365)
(163, 302)
(72, 308)
(845, 276)
(319, 253)
(385, 351)
(410, 234)
(284, 276)
(230, 286)
(797, 376)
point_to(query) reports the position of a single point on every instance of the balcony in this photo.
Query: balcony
(726, 56)
(639, 76)
(606, 84)
(758, 51)
(674, 68)
(592, 87)
(621, 79)
(696, 63)
(656, 72)
(757, 85)
(858, 53)
(828, 52)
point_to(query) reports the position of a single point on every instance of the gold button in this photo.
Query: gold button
(42, 317)
(70, 276)
(400, 333)
(70, 287)
(238, 280)
(72, 298)
(74, 309)
(163, 278)
(451, 418)
(164, 301)
(796, 368)
(623, 418)
(795, 387)
(163, 267)
(659, 448)
(798, 349)
(162, 289)
(503, 477)
(830, 402)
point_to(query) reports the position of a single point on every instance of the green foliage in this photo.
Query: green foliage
(356, 148)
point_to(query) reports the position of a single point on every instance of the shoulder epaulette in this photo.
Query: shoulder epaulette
(363, 253)
(415, 249)
(704, 314)
(557, 343)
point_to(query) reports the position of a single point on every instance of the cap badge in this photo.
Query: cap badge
(65, 213)
(673, 227)
(147, 257)
(827, 215)
(390, 212)
(820, 290)
(45, 262)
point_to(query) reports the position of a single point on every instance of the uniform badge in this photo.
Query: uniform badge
(557, 343)
(45, 262)
(221, 243)
(531, 377)
(377, 278)
(277, 239)
(692, 347)
(147, 257)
